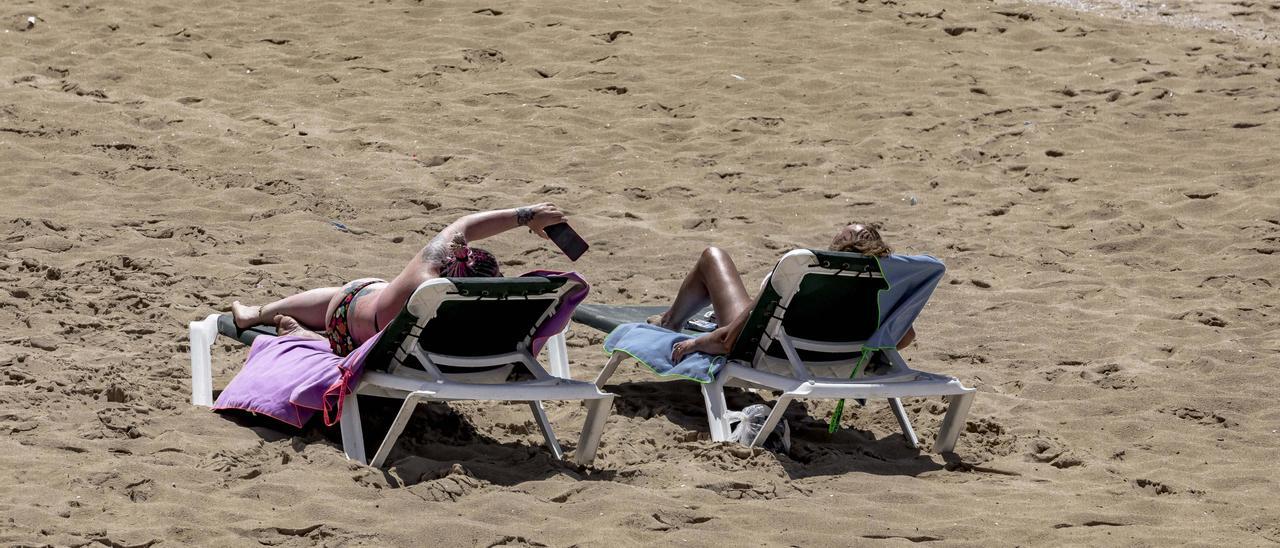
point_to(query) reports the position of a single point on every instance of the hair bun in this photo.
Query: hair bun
(458, 249)
(463, 261)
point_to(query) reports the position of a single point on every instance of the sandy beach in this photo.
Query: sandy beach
(1103, 191)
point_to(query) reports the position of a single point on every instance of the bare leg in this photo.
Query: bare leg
(308, 308)
(714, 279)
(286, 325)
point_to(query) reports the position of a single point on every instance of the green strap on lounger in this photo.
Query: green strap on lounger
(835, 417)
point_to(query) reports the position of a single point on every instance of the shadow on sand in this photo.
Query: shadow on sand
(813, 452)
(436, 439)
(439, 436)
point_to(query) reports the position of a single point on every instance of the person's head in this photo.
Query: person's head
(463, 261)
(860, 238)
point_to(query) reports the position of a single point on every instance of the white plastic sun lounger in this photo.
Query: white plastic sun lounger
(808, 336)
(456, 339)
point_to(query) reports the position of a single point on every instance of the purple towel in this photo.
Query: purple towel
(286, 378)
(290, 378)
(564, 314)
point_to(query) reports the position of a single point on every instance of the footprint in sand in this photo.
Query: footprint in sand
(612, 36)
(483, 56)
(1053, 453)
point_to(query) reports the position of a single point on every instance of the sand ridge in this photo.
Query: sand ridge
(1103, 195)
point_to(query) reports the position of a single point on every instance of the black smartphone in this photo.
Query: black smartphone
(567, 240)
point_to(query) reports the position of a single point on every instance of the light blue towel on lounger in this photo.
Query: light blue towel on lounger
(912, 279)
(651, 345)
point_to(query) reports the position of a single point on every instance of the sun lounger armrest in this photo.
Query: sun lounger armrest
(227, 328)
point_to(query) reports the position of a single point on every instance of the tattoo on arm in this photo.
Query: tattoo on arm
(524, 215)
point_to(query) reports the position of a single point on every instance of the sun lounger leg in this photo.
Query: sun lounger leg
(352, 429)
(540, 416)
(713, 393)
(609, 368)
(779, 409)
(953, 422)
(397, 427)
(558, 355)
(201, 337)
(904, 422)
(597, 414)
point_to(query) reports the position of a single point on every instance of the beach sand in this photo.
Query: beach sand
(1249, 18)
(1104, 194)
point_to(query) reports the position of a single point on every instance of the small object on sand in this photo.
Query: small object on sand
(749, 421)
(23, 23)
(348, 229)
(911, 200)
(736, 77)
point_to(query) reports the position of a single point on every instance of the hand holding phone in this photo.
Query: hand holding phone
(539, 216)
(563, 236)
(567, 240)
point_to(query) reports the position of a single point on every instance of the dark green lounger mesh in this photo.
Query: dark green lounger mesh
(820, 299)
(501, 313)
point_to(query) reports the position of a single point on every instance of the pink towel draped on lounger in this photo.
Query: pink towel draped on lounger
(290, 378)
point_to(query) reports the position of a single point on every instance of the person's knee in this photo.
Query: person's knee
(713, 255)
(714, 259)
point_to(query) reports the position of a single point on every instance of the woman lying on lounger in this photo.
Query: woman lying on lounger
(715, 279)
(352, 314)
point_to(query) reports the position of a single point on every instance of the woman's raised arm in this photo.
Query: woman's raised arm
(478, 226)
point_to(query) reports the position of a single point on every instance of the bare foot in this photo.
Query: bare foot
(287, 326)
(245, 316)
(660, 320)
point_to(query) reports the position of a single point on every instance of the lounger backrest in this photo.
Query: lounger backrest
(468, 317)
(825, 297)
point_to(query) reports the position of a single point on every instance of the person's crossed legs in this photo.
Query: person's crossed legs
(715, 280)
(308, 309)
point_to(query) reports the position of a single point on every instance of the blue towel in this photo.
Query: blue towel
(651, 345)
(912, 279)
